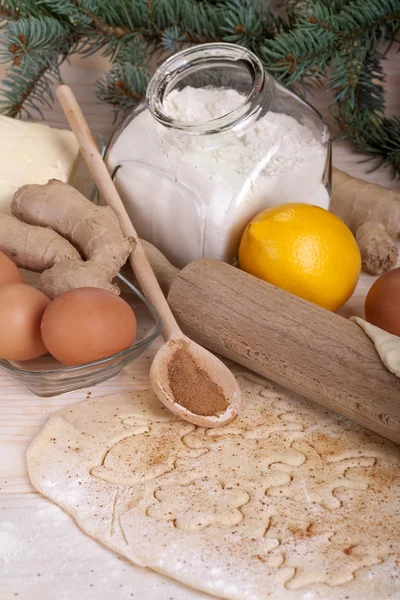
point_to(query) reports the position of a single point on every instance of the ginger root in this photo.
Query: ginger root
(71, 274)
(372, 212)
(33, 248)
(93, 230)
(42, 250)
(55, 230)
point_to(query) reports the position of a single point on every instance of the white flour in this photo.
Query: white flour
(192, 196)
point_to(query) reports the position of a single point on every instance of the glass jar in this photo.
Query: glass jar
(216, 141)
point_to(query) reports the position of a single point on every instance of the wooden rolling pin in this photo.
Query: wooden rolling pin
(305, 348)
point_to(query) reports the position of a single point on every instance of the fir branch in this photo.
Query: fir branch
(124, 85)
(127, 80)
(65, 11)
(150, 21)
(320, 33)
(28, 40)
(377, 136)
(246, 25)
(311, 39)
(98, 24)
(359, 112)
(7, 13)
(16, 9)
(21, 93)
(35, 46)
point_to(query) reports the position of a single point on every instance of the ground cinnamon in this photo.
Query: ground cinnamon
(192, 387)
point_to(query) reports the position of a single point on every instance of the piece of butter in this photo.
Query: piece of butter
(33, 153)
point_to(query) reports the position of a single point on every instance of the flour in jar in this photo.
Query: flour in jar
(192, 195)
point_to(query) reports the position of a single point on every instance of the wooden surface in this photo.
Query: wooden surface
(23, 414)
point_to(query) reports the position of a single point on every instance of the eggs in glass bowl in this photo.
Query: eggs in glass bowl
(81, 338)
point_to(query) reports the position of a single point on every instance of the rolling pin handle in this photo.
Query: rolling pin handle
(163, 270)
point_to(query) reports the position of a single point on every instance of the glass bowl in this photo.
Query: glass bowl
(46, 377)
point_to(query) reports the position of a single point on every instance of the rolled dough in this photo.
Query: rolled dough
(43, 557)
(289, 501)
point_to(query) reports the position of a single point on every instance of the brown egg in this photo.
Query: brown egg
(9, 272)
(382, 305)
(87, 324)
(21, 311)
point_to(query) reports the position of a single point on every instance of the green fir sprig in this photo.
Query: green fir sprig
(334, 43)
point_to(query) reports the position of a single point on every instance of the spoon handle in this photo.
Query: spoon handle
(98, 170)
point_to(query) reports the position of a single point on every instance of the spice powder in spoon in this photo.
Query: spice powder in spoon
(192, 387)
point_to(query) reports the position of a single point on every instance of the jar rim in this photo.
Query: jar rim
(185, 61)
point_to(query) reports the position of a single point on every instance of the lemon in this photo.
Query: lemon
(305, 250)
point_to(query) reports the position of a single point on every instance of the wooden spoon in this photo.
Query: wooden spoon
(212, 368)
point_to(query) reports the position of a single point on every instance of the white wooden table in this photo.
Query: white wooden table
(42, 552)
